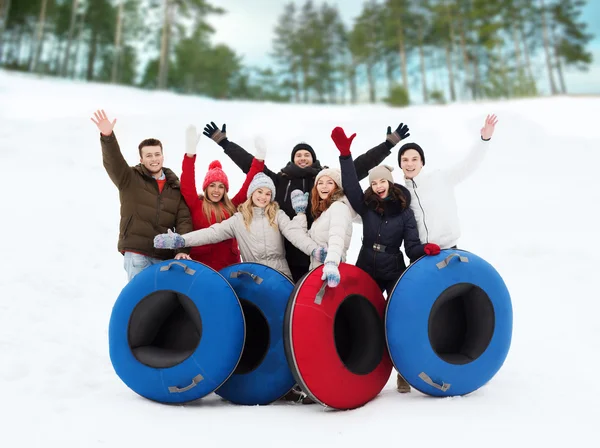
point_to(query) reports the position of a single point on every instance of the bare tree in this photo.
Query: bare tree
(39, 39)
(118, 33)
(4, 10)
(65, 62)
(164, 46)
(546, 39)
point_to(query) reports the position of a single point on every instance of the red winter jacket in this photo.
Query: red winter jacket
(225, 253)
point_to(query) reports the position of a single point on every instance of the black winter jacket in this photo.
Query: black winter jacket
(388, 227)
(292, 177)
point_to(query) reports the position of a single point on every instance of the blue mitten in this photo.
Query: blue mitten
(169, 240)
(320, 253)
(299, 201)
(331, 273)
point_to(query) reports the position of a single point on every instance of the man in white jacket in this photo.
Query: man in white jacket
(432, 194)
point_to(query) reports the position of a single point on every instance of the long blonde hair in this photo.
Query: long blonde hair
(222, 210)
(247, 211)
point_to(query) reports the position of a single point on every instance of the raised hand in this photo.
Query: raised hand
(331, 273)
(299, 201)
(342, 142)
(191, 140)
(169, 240)
(488, 127)
(261, 148)
(398, 135)
(101, 120)
(212, 131)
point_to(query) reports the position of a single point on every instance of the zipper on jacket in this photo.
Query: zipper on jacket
(158, 201)
(286, 190)
(423, 210)
(264, 218)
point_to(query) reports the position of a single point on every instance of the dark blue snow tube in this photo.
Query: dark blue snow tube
(449, 323)
(176, 332)
(263, 374)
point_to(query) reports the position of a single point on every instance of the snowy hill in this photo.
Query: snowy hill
(531, 211)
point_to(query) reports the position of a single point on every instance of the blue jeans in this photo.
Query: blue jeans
(136, 263)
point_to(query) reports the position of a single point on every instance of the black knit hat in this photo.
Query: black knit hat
(408, 146)
(304, 147)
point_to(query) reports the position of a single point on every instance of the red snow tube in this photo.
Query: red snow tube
(335, 338)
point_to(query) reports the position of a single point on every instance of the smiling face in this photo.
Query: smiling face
(325, 186)
(215, 191)
(261, 197)
(303, 158)
(152, 159)
(411, 163)
(381, 187)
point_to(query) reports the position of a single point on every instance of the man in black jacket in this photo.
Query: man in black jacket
(299, 174)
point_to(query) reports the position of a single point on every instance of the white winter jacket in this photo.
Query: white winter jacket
(333, 230)
(262, 244)
(433, 200)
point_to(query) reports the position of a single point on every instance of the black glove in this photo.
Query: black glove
(393, 138)
(212, 131)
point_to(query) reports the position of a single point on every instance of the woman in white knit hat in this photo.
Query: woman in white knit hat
(259, 227)
(332, 226)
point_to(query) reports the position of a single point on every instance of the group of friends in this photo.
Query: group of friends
(292, 220)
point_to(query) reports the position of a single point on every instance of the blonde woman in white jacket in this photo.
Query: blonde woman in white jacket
(432, 193)
(259, 227)
(332, 228)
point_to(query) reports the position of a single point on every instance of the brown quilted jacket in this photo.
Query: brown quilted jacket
(144, 211)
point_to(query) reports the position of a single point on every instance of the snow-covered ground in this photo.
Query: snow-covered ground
(531, 210)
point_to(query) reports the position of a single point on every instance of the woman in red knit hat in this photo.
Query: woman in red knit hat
(214, 204)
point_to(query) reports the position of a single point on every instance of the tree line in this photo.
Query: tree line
(446, 50)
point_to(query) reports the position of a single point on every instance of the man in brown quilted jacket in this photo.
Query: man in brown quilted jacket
(151, 201)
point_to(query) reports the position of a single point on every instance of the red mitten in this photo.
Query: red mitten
(341, 141)
(431, 249)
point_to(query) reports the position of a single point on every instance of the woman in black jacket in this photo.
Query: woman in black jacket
(299, 174)
(387, 218)
(387, 222)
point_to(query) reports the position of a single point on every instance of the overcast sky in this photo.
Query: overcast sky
(248, 29)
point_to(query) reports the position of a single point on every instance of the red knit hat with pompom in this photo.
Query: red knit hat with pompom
(215, 174)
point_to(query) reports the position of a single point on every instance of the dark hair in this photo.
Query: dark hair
(396, 195)
(149, 142)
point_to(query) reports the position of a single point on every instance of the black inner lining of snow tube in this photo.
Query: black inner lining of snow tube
(165, 328)
(461, 323)
(359, 335)
(258, 338)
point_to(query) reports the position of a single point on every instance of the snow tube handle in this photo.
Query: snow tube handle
(444, 387)
(195, 381)
(256, 278)
(321, 293)
(442, 264)
(186, 268)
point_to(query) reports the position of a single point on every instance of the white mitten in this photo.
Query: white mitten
(191, 139)
(261, 148)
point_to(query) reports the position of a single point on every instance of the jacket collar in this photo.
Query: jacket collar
(391, 206)
(171, 177)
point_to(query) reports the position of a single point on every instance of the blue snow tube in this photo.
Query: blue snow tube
(176, 332)
(449, 323)
(263, 374)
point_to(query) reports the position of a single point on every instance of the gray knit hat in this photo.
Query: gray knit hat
(261, 180)
(381, 172)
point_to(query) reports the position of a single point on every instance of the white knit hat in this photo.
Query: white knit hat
(334, 173)
(381, 172)
(261, 180)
